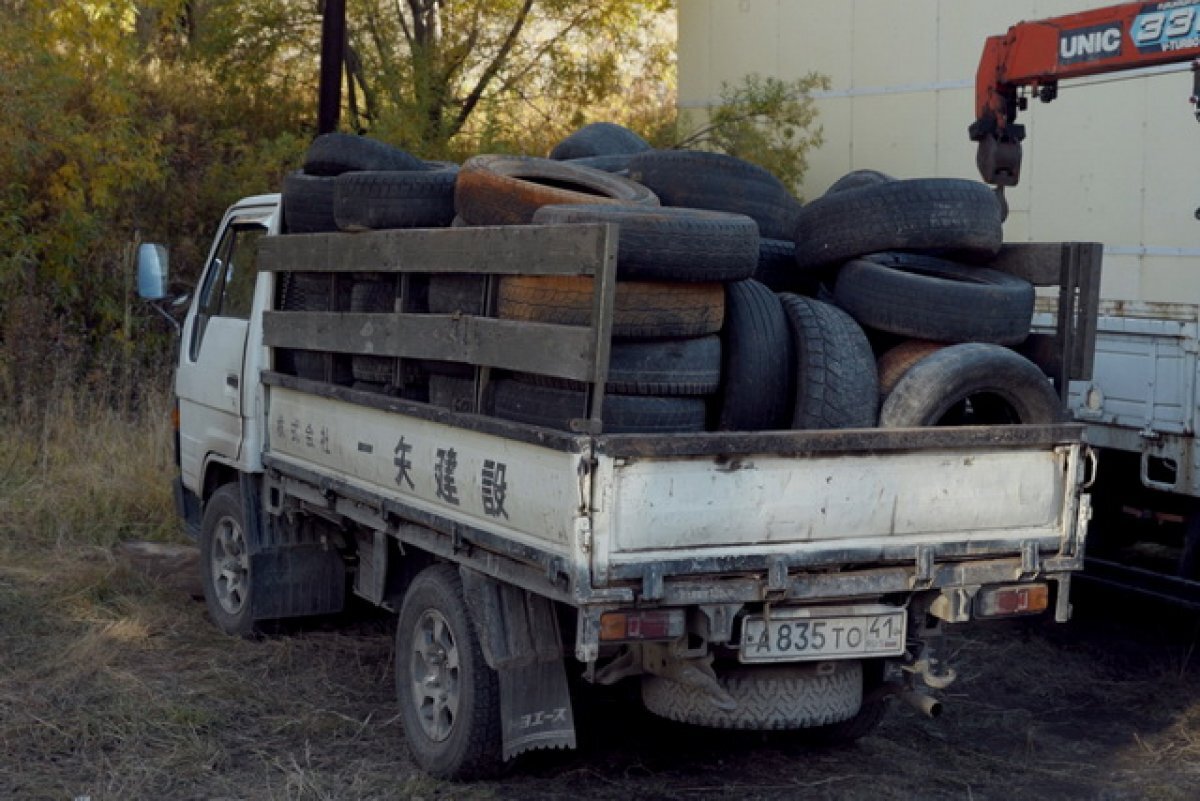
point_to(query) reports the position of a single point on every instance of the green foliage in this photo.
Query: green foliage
(768, 121)
(447, 78)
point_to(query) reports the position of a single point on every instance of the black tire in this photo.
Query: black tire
(617, 163)
(971, 384)
(662, 244)
(336, 153)
(923, 297)
(225, 563)
(642, 309)
(858, 179)
(836, 383)
(308, 204)
(599, 139)
(507, 190)
(456, 293)
(449, 698)
(554, 407)
(655, 367)
(456, 393)
(718, 182)
(899, 359)
(378, 296)
(870, 714)
(313, 292)
(925, 214)
(777, 269)
(769, 698)
(759, 361)
(364, 201)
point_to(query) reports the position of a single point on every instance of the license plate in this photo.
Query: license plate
(796, 635)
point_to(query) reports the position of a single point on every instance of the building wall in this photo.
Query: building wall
(1114, 161)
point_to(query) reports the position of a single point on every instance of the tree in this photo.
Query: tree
(768, 121)
(485, 72)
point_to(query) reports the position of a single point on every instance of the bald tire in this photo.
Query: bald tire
(336, 153)
(665, 244)
(655, 367)
(554, 407)
(719, 182)
(599, 139)
(507, 190)
(642, 309)
(836, 384)
(769, 698)
(897, 361)
(932, 298)
(1005, 388)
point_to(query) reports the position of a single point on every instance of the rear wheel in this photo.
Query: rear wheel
(449, 698)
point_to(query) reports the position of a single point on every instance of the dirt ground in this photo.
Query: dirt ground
(114, 688)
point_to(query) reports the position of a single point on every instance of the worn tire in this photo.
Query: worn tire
(378, 296)
(336, 153)
(308, 204)
(836, 384)
(555, 407)
(453, 392)
(507, 190)
(759, 361)
(225, 563)
(898, 360)
(655, 367)
(1000, 386)
(365, 201)
(925, 214)
(616, 163)
(857, 179)
(715, 181)
(456, 293)
(312, 292)
(642, 309)
(664, 244)
(599, 139)
(769, 698)
(462, 741)
(929, 298)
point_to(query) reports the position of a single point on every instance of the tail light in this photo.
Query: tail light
(645, 624)
(1017, 599)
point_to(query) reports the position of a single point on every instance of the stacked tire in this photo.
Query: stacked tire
(665, 358)
(737, 307)
(907, 259)
(352, 183)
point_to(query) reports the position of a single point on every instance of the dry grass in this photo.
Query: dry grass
(114, 688)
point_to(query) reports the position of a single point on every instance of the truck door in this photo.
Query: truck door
(209, 382)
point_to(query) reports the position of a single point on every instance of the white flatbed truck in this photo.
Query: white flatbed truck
(757, 580)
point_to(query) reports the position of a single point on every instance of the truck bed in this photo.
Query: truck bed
(633, 514)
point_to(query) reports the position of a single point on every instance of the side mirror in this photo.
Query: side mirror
(152, 271)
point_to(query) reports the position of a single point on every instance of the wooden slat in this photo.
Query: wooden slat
(554, 350)
(576, 249)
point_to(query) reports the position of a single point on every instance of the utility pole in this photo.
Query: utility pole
(333, 47)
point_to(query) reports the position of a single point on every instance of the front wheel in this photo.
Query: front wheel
(225, 562)
(449, 698)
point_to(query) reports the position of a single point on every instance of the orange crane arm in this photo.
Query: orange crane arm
(1034, 56)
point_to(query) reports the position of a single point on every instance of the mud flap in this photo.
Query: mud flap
(292, 578)
(520, 639)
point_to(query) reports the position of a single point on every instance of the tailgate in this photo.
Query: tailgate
(720, 503)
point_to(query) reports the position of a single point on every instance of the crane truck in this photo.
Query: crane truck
(1141, 403)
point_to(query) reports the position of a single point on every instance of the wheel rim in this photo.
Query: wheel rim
(435, 675)
(230, 565)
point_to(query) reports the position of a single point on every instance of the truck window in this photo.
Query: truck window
(228, 290)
